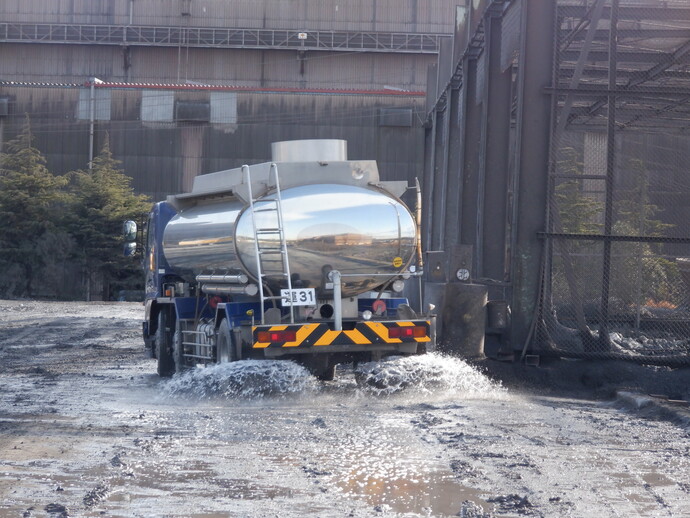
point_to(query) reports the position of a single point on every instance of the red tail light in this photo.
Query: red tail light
(276, 336)
(407, 332)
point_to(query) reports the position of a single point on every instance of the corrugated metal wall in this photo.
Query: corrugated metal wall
(256, 68)
(164, 157)
(58, 63)
(357, 15)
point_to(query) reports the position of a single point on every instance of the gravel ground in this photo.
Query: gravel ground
(88, 429)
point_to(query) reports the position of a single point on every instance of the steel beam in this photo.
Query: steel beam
(602, 35)
(615, 237)
(604, 340)
(454, 167)
(492, 246)
(602, 90)
(646, 12)
(532, 161)
(440, 173)
(428, 180)
(655, 72)
(659, 68)
(472, 149)
(579, 69)
(628, 56)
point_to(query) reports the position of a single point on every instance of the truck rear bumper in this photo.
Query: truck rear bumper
(403, 348)
(359, 336)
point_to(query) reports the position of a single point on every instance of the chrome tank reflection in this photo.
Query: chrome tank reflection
(201, 239)
(327, 226)
(352, 229)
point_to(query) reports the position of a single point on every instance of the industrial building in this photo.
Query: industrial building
(184, 87)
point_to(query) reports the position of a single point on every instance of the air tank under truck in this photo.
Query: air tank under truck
(305, 258)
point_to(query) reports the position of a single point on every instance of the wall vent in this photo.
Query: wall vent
(401, 117)
(192, 111)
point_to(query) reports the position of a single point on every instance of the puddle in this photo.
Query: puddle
(655, 479)
(430, 493)
(179, 485)
(345, 440)
(381, 460)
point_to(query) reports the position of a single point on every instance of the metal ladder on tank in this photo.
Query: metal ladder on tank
(269, 204)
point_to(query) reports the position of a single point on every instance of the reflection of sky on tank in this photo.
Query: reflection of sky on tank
(349, 198)
(361, 212)
(356, 230)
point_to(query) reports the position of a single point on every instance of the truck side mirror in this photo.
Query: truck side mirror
(129, 250)
(129, 231)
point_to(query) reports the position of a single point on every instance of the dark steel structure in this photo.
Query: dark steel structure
(557, 157)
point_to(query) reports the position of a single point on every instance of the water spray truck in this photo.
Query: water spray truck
(305, 258)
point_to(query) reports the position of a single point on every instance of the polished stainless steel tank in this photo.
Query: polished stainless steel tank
(201, 239)
(352, 229)
(336, 215)
(341, 227)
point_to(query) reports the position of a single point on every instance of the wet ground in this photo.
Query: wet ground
(88, 429)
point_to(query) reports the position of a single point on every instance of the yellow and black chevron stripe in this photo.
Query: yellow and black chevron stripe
(319, 334)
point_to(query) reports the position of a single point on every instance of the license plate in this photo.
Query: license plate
(299, 297)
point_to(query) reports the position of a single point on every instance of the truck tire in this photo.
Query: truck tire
(225, 348)
(178, 349)
(150, 347)
(166, 365)
(328, 374)
(321, 366)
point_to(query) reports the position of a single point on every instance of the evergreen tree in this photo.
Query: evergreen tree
(577, 212)
(31, 208)
(103, 200)
(580, 213)
(640, 272)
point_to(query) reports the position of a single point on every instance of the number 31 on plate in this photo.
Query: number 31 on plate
(298, 297)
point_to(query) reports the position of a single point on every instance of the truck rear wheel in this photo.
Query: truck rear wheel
(178, 348)
(328, 374)
(166, 365)
(225, 349)
(321, 366)
(150, 347)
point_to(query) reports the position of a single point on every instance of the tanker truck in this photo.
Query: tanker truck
(305, 257)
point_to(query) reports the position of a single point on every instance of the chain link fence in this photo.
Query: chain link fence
(616, 279)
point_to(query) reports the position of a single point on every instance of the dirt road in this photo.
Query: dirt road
(88, 429)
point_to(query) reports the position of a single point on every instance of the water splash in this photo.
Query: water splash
(254, 379)
(429, 373)
(246, 379)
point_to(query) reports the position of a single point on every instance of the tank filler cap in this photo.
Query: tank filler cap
(316, 150)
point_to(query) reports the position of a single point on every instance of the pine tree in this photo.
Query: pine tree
(31, 206)
(103, 200)
(640, 272)
(578, 212)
